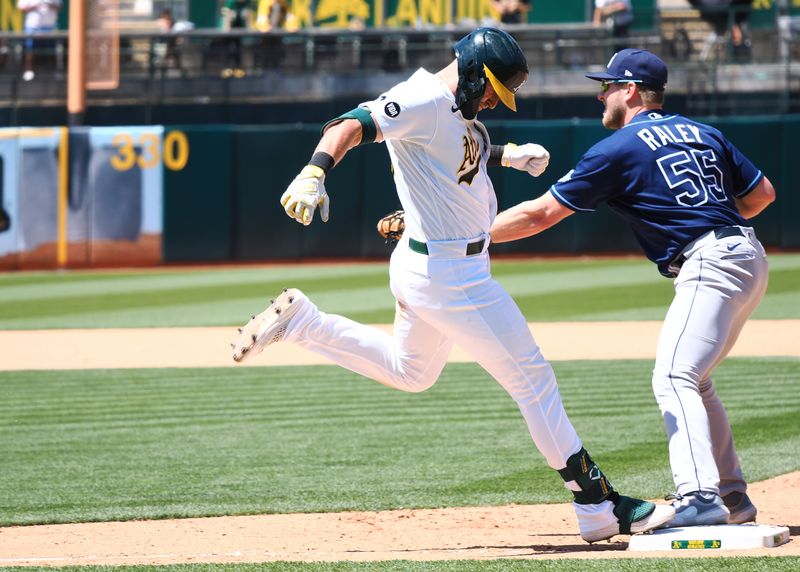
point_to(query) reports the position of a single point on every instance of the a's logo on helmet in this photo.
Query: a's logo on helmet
(392, 109)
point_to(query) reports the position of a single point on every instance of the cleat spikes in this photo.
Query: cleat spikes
(268, 327)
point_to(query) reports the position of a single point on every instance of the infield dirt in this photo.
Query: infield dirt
(480, 533)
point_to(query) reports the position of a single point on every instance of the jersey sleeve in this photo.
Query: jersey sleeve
(591, 182)
(745, 176)
(404, 113)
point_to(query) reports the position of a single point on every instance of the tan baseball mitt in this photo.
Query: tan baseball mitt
(391, 226)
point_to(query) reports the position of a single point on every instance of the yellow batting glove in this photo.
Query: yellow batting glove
(305, 193)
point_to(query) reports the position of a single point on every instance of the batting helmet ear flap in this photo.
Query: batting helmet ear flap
(471, 81)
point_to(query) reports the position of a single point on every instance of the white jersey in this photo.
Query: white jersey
(39, 13)
(438, 158)
(605, 3)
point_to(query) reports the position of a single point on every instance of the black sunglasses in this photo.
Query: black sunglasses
(605, 84)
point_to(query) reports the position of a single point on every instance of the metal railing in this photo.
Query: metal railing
(201, 66)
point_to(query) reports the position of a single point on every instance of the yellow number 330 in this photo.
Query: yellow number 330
(176, 151)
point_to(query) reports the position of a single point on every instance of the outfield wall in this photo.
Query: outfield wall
(146, 195)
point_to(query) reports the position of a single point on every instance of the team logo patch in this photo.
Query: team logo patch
(392, 109)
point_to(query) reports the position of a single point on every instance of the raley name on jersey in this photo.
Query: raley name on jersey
(657, 136)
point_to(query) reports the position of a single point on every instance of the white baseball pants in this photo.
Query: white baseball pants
(718, 287)
(442, 298)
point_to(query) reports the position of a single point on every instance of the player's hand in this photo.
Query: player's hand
(530, 157)
(305, 194)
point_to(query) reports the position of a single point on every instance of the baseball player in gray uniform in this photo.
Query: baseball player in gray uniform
(686, 191)
(439, 271)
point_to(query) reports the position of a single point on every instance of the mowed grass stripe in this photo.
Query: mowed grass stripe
(272, 401)
(122, 444)
(115, 407)
(273, 398)
(77, 303)
(586, 302)
(37, 284)
(544, 290)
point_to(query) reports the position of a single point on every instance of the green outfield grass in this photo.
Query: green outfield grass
(546, 290)
(130, 444)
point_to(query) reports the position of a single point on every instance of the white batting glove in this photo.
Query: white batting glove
(305, 194)
(530, 157)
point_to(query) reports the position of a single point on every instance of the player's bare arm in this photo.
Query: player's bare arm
(307, 191)
(342, 136)
(756, 200)
(528, 218)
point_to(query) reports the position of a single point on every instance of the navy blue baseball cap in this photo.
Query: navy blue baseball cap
(634, 65)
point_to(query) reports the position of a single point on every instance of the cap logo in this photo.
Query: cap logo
(628, 73)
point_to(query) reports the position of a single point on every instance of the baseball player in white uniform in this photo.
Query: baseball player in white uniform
(439, 271)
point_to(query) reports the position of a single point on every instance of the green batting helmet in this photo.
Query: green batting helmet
(488, 53)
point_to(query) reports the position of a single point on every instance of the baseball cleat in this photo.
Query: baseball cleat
(269, 326)
(698, 509)
(621, 515)
(741, 508)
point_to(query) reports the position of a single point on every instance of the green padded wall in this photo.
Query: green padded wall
(224, 205)
(562, 11)
(198, 198)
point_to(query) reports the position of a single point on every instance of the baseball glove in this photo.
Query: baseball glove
(391, 226)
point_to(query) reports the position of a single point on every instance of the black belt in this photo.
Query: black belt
(719, 233)
(422, 248)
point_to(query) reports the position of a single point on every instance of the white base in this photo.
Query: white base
(718, 537)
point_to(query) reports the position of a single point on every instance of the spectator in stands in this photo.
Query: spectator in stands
(617, 16)
(722, 14)
(40, 16)
(740, 32)
(271, 15)
(512, 11)
(166, 49)
(235, 15)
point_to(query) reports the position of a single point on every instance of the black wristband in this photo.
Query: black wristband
(495, 155)
(322, 160)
